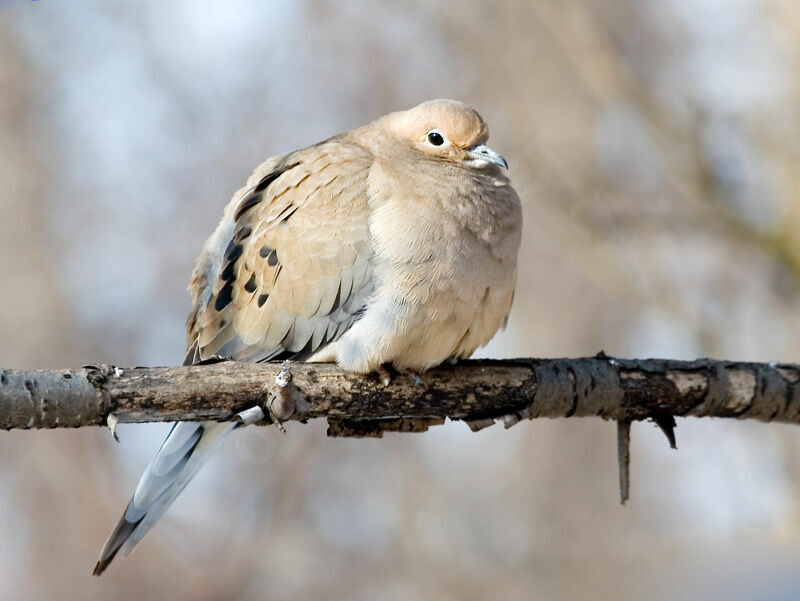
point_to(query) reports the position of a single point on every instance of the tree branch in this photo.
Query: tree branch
(478, 392)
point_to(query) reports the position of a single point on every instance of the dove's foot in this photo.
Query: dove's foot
(416, 380)
(386, 376)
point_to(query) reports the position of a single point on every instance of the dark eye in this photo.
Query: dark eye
(435, 138)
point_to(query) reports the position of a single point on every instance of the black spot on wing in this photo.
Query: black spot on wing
(249, 202)
(251, 284)
(242, 234)
(239, 351)
(268, 179)
(270, 254)
(224, 297)
(233, 252)
(227, 273)
(257, 195)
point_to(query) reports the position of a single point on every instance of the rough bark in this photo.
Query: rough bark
(478, 392)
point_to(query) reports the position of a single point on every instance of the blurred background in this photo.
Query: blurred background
(655, 145)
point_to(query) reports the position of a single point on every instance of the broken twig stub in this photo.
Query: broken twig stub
(624, 458)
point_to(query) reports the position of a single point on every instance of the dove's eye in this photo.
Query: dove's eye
(435, 138)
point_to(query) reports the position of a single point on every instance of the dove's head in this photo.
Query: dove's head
(448, 130)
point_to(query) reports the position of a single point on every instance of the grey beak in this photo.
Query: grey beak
(483, 153)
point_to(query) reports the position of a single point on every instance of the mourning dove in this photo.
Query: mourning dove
(395, 243)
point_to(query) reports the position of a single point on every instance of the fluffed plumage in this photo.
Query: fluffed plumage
(395, 243)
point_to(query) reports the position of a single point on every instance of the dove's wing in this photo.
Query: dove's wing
(287, 271)
(296, 271)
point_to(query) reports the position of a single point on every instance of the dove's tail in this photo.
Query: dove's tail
(183, 453)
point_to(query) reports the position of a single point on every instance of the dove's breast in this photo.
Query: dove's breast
(445, 274)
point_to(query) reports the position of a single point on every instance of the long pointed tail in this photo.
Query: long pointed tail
(187, 447)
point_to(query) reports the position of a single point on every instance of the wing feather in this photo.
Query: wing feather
(273, 281)
(288, 284)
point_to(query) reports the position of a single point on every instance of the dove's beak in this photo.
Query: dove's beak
(482, 152)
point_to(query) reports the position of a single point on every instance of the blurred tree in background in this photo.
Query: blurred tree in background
(655, 146)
